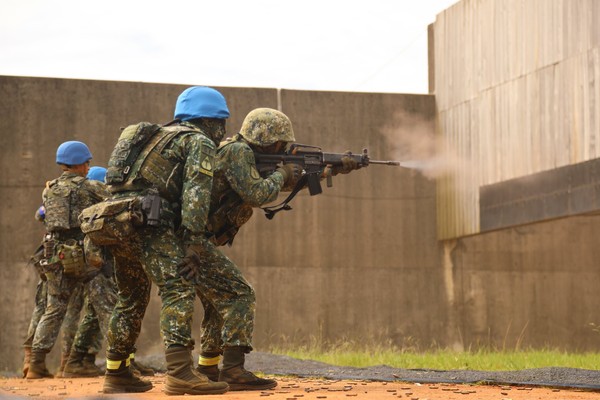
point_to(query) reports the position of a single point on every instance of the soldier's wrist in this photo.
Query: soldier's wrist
(283, 173)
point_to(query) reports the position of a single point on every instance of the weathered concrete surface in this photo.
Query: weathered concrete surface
(528, 286)
(359, 261)
(560, 192)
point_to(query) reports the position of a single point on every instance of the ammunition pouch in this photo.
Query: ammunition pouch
(109, 222)
(71, 256)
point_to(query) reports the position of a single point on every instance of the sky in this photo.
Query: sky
(330, 45)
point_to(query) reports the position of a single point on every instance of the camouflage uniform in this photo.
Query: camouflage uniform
(38, 310)
(228, 299)
(158, 249)
(60, 287)
(70, 323)
(72, 318)
(88, 338)
(101, 297)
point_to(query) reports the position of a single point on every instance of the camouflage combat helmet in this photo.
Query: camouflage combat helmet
(265, 126)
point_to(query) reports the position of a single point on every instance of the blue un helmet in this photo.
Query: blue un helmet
(73, 153)
(97, 174)
(201, 102)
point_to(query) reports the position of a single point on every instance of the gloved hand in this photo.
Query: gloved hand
(40, 213)
(348, 164)
(188, 268)
(291, 174)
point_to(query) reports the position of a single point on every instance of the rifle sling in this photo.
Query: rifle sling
(271, 211)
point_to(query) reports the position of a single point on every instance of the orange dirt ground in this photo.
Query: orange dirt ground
(293, 389)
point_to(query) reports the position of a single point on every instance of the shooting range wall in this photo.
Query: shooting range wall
(359, 262)
(517, 87)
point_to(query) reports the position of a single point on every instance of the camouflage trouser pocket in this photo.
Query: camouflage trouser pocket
(110, 222)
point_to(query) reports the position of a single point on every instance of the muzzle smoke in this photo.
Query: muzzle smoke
(413, 141)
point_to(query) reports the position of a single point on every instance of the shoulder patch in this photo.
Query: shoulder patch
(254, 173)
(207, 157)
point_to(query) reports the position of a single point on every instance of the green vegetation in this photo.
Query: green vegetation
(441, 359)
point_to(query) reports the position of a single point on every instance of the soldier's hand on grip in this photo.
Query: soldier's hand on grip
(348, 164)
(291, 174)
(189, 266)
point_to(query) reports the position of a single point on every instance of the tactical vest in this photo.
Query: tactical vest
(60, 213)
(137, 162)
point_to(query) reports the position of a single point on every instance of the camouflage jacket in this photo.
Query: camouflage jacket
(235, 170)
(186, 164)
(237, 187)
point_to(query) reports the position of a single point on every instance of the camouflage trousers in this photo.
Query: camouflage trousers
(153, 257)
(72, 317)
(101, 297)
(38, 310)
(228, 301)
(61, 292)
(71, 320)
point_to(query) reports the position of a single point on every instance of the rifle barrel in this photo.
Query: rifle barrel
(397, 163)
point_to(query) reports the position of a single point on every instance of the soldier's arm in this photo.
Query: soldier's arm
(245, 180)
(197, 185)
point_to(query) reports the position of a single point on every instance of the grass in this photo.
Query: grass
(442, 359)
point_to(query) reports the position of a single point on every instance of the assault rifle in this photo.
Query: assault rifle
(314, 162)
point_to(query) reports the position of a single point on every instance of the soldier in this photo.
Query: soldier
(38, 309)
(64, 263)
(228, 299)
(171, 176)
(100, 299)
(91, 329)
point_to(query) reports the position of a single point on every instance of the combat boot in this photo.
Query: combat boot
(26, 360)
(140, 368)
(89, 362)
(120, 379)
(181, 378)
(236, 376)
(37, 366)
(208, 365)
(64, 358)
(77, 368)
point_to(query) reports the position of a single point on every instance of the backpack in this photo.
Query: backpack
(129, 146)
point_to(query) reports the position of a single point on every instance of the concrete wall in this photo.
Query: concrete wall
(533, 286)
(517, 87)
(359, 262)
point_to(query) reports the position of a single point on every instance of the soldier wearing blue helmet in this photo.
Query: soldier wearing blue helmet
(63, 263)
(97, 174)
(73, 153)
(72, 317)
(172, 173)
